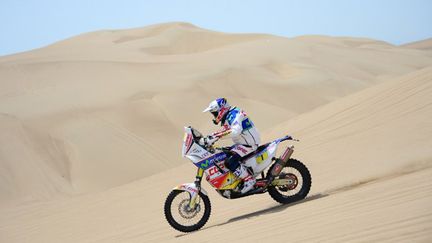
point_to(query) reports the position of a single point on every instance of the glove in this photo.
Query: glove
(211, 140)
(208, 141)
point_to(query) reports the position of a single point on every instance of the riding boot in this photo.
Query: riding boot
(249, 181)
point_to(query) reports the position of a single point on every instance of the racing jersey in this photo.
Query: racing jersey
(242, 128)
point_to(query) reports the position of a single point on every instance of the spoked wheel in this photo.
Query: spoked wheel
(298, 186)
(183, 218)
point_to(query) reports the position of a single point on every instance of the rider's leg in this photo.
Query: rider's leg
(248, 179)
(232, 163)
(239, 170)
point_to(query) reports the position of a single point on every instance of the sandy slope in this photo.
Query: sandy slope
(369, 154)
(422, 45)
(381, 129)
(103, 109)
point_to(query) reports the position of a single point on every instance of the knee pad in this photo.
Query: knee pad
(232, 163)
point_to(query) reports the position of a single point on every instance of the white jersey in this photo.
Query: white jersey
(243, 131)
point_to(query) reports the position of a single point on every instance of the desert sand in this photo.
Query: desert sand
(91, 135)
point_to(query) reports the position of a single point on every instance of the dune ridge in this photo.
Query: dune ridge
(425, 45)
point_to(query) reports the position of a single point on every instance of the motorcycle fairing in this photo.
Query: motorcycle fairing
(206, 163)
(222, 180)
(230, 181)
(262, 160)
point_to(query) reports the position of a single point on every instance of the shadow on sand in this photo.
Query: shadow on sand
(278, 208)
(273, 209)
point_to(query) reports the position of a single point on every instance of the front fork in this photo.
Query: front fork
(194, 196)
(193, 189)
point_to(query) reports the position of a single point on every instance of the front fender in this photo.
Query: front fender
(193, 191)
(189, 187)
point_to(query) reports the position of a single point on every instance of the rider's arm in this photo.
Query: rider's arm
(222, 133)
(235, 129)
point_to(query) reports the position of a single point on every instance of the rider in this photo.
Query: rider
(237, 125)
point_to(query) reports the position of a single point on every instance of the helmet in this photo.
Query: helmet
(218, 108)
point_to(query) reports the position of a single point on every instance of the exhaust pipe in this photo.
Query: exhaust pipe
(282, 161)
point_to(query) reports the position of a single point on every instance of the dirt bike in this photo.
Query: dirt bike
(187, 207)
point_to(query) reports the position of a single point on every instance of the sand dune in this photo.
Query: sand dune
(106, 108)
(422, 45)
(369, 155)
(91, 131)
(376, 131)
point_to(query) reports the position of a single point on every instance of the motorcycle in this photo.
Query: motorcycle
(187, 207)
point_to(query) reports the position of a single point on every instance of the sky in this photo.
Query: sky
(30, 24)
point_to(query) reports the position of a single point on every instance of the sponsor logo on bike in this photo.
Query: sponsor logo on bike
(241, 149)
(204, 164)
(188, 142)
(261, 157)
(187, 187)
(213, 170)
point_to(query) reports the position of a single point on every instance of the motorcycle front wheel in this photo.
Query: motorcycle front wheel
(183, 218)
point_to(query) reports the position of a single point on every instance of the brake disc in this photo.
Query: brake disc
(185, 211)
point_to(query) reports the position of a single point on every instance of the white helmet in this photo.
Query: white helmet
(219, 108)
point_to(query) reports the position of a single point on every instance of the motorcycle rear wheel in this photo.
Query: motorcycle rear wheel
(186, 214)
(287, 194)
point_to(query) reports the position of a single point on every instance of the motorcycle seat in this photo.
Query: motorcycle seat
(257, 151)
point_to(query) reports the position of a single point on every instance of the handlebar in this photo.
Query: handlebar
(288, 137)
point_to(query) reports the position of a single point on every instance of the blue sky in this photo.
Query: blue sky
(29, 24)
